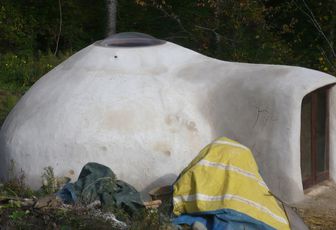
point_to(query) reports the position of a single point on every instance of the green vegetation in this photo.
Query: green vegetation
(7, 102)
(15, 185)
(18, 73)
(49, 181)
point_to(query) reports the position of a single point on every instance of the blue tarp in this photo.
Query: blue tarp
(222, 219)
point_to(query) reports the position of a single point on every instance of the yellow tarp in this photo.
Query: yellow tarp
(225, 176)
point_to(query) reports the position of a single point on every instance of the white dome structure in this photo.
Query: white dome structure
(145, 108)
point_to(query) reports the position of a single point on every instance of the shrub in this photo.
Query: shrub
(7, 102)
(20, 72)
(49, 181)
(15, 185)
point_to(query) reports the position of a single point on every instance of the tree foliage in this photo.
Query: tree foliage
(30, 26)
(293, 32)
(308, 27)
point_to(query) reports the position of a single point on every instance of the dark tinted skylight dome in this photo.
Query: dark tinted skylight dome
(130, 39)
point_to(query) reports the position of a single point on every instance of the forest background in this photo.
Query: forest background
(36, 35)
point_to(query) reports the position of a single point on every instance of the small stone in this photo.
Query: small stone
(27, 202)
(198, 226)
(50, 201)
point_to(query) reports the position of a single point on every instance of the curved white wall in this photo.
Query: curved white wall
(147, 111)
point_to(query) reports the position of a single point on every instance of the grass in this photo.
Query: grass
(15, 185)
(18, 73)
(7, 102)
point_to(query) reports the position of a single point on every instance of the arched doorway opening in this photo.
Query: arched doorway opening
(314, 138)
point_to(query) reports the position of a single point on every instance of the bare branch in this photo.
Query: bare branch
(60, 26)
(318, 27)
(176, 18)
(326, 58)
(218, 35)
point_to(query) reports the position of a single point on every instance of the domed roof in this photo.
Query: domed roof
(130, 39)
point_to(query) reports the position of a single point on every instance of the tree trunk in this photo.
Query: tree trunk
(112, 17)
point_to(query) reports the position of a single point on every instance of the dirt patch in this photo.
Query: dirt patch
(318, 210)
